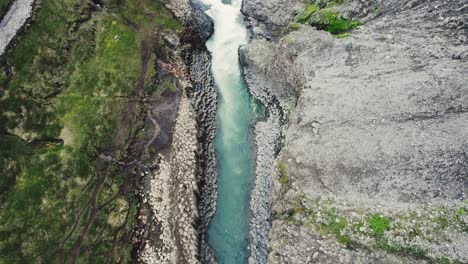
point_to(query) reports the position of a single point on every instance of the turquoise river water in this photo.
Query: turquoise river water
(228, 230)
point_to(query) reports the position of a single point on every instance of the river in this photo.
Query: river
(229, 227)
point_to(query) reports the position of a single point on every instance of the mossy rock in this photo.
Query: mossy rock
(295, 26)
(342, 35)
(307, 13)
(330, 20)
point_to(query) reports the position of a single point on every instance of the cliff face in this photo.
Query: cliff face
(181, 192)
(374, 154)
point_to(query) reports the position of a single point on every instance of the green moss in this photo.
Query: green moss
(346, 240)
(307, 13)
(171, 86)
(322, 215)
(417, 252)
(342, 35)
(443, 260)
(295, 26)
(284, 179)
(461, 212)
(414, 251)
(335, 225)
(330, 20)
(379, 224)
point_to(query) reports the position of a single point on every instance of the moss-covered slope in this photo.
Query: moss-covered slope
(70, 108)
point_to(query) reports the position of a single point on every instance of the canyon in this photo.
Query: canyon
(328, 131)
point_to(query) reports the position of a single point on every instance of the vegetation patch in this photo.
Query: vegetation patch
(83, 70)
(414, 251)
(295, 26)
(330, 20)
(322, 15)
(401, 233)
(342, 35)
(284, 178)
(379, 224)
(307, 13)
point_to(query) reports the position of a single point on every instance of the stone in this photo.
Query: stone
(315, 255)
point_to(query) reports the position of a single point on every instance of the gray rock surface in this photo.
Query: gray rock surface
(13, 20)
(378, 117)
(267, 17)
(182, 193)
(182, 9)
(267, 134)
(204, 101)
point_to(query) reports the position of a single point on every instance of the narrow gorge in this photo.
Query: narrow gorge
(228, 229)
(234, 131)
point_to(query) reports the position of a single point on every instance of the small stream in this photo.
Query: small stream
(229, 228)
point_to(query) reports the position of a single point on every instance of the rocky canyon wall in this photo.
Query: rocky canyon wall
(373, 168)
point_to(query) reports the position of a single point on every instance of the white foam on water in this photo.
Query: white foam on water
(228, 230)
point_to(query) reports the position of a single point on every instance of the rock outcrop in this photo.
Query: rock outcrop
(268, 17)
(376, 131)
(13, 20)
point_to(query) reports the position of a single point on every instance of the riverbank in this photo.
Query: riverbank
(191, 188)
